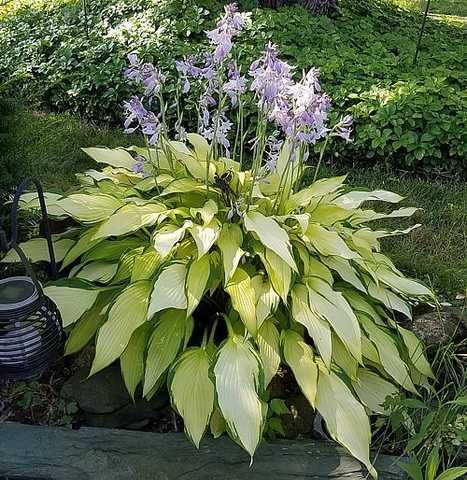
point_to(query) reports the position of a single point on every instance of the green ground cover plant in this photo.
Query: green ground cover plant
(186, 261)
(406, 117)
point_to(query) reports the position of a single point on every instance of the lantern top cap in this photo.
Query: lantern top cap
(17, 292)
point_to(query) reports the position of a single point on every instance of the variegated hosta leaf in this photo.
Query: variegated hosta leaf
(206, 212)
(89, 208)
(268, 345)
(237, 372)
(279, 273)
(389, 299)
(345, 417)
(169, 290)
(71, 301)
(372, 390)
(116, 157)
(127, 313)
(334, 308)
(299, 356)
(355, 198)
(328, 214)
(416, 352)
(166, 341)
(83, 244)
(217, 423)
(388, 354)
(230, 241)
(101, 272)
(196, 281)
(343, 358)
(318, 328)
(200, 144)
(327, 242)
(132, 359)
(205, 236)
(316, 190)
(166, 238)
(271, 235)
(402, 284)
(130, 218)
(267, 299)
(243, 297)
(192, 391)
(345, 269)
(145, 265)
(36, 250)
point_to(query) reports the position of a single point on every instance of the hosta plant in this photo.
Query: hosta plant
(196, 272)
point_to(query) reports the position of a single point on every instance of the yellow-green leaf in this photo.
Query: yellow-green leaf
(116, 157)
(243, 299)
(164, 345)
(230, 240)
(268, 345)
(271, 236)
(299, 356)
(328, 242)
(169, 290)
(36, 250)
(127, 313)
(192, 391)
(89, 208)
(237, 373)
(197, 279)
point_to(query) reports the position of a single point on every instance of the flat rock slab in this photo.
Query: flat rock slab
(53, 453)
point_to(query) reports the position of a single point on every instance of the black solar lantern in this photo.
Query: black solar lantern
(31, 334)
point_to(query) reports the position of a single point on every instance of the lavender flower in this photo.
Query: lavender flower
(146, 73)
(228, 26)
(218, 130)
(344, 128)
(273, 150)
(137, 117)
(271, 77)
(138, 166)
(236, 84)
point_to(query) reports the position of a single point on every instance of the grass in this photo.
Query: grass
(456, 8)
(48, 146)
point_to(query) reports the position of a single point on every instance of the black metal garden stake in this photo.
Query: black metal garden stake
(422, 30)
(31, 334)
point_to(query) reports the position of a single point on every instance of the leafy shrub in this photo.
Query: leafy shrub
(362, 54)
(177, 237)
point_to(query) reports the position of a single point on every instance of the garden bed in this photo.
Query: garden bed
(89, 453)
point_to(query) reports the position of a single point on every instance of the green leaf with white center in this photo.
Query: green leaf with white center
(243, 297)
(355, 198)
(318, 328)
(269, 351)
(328, 243)
(192, 391)
(116, 157)
(402, 284)
(130, 218)
(345, 270)
(229, 242)
(145, 265)
(166, 238)
(320, 188)
(206, 212)
(332, 306)
(71, 302)
(101, 272)
(372, 390)
(89, 208)
(345, 417)
(271, 235)
(127, 313)
(388, 354)
(389, 299)
(36, 250)
(279, 273)
(416, 352)
(132, 359)
(299, 357)
(196, 281)
(237, 373)
(169, 290)
(267, 299)
(200, 145)
(166, 341)
(205, 236)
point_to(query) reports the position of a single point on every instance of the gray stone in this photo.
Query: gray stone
(439, 327)
(101, 454)
(104, 392)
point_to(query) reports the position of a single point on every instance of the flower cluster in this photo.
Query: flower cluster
(299, 109)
